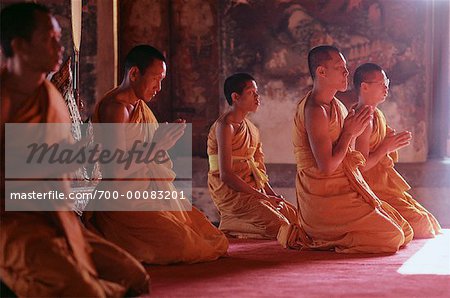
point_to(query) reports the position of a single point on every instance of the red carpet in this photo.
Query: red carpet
(258, 268)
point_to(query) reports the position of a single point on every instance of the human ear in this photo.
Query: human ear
(234, 97)
(320, 70)
(133, 73)
(18, 45)
(363, 86)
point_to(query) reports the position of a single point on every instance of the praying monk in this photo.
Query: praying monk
(49, 254)
(237, 179)
(153, 237)
(379, 144)
(337, 208)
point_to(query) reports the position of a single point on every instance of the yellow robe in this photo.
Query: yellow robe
(390, 187)
(158, 237)
(340, 211)
(48, 254)
(241, 214)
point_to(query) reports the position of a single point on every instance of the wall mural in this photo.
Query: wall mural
(195, 62)
(147, 22)
(271, 39)
(187, 32)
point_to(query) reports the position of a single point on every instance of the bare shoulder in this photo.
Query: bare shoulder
(224, 126)
(315, 113)
(113, 110)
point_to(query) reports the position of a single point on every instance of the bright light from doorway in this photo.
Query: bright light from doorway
(432, 258)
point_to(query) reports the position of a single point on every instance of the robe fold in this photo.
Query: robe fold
(339, 211)
(390, 186)
(241, 214)
(49, 254)
(156, 237)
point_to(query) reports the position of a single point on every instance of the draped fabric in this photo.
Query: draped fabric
(390, 186)
(242, 214)
(157, 237)
(339, 211)
(48, 253)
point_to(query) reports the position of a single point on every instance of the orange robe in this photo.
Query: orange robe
(390, 187)
(241, 214)
(48, 254)
(157, 237)
(339, 211)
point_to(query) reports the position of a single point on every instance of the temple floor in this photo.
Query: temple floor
(260, 268)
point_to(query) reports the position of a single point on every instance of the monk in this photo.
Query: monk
(153, 237)
(48, 254)
(337, 208)
(237, 179)
(379, 144)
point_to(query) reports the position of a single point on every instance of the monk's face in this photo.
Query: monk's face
(376, 87)
(336, 72)
(148, 84)
(248, 100)
(43, 52)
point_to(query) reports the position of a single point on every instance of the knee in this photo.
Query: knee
(395, 243)
(393, 239)
(388, 240)
(271, 230)
(422, 226)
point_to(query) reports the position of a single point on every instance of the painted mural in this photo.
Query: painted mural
(271, 39)
(195, 60)
(187, 31)
(147, 22)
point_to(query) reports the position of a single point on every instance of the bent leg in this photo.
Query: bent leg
(421, 220)
(36, 261)
(379, 234)
(118, 266)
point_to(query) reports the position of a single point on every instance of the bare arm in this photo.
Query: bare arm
(224, 134)
(391, 142)
(259, 157)
(116, 112)
(327, 156)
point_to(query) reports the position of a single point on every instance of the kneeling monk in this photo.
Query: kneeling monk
(154, 237)
(237, 178)
(379, 144)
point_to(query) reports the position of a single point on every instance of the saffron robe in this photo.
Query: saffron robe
(241, 214)
(157, 237)
(49, 254)
(339, 211)
(390, 186)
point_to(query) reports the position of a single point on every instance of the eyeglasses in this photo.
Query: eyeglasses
(386, 82)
